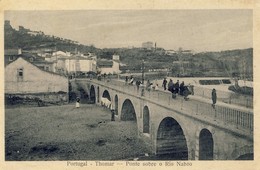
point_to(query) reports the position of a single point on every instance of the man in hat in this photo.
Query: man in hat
(214, 97)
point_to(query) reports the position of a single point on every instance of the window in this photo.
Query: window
(20, 74)
(11, 58)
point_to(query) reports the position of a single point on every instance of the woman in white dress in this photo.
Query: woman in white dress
(77, 102)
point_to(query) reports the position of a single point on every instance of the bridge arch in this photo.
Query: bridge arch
(146, 120)
(128, 111)
(106, 95)
(206, 145)
(244, 153)
(83, 94)
(171, 141)
(92, 94)
(116, 105)
(247, 156)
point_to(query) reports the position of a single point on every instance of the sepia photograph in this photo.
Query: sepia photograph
(128, 85)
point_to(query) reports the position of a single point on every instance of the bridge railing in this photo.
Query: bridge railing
(227, 97)
(242, 118)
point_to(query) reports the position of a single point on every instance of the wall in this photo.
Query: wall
(85, 65)
(116, 67)
(70, 65)
(94, 66)
(45, 97)
(61, 64)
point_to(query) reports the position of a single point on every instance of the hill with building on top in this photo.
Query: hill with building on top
(238, 62)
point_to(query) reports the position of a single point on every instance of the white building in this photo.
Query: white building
(80, 64)
(22, 77)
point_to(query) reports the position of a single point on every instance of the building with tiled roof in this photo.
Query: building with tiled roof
(26, 79)
(11, 54)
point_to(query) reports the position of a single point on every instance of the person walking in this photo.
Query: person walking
(131, 80)
(177, 87)
(186, 92)
(148, 85)
(214, 97)
(138, 82)
(77, 102)
(164, 83)
(170, 85)
(182, 88)
(126, 80)
(112, 113)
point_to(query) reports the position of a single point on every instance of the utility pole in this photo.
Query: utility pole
(244, 72)
(143, 72)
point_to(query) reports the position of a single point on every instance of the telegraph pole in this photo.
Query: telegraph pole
(142, 71)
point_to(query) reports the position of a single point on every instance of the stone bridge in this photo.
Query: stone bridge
(183, 130)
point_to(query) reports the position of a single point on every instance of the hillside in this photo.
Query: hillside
(229, 63)
(134, 56)
(237, 62)
(20, 39)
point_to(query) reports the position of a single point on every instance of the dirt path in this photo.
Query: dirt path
(67, 133)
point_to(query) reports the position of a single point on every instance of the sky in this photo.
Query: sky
(198, 30)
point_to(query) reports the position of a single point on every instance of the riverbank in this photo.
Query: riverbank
(66, 133)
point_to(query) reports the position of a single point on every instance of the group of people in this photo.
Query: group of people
(174, 88)
(130, 80)
(148, 86)
(151, 86)
(177, 88)
(181, 89)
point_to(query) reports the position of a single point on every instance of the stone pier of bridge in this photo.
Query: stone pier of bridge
(186, 130)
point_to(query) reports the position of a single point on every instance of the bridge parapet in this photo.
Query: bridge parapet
(226, 97)
(224, 115)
